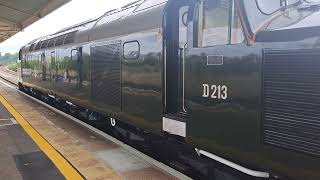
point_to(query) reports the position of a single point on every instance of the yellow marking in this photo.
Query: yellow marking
(68, 171)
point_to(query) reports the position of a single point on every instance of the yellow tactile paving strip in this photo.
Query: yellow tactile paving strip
(56, 141)
(62, 164)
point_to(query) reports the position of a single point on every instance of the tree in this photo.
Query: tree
(7, 55)
(8, 58)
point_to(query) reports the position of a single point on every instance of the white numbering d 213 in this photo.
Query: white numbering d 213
(215, 91)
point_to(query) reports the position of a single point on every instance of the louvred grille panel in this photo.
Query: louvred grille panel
(291, 99)
(106, 73)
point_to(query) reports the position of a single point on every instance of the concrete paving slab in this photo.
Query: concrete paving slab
(20, 157)
(8, 168)
(4, 114)
(36, 166)
(121, 160)
(21, 140)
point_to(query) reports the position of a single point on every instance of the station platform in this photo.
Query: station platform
(40, 142)
(20, 157)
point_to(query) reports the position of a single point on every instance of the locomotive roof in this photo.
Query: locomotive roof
(133, 17)
(77, 26)
(37, 43)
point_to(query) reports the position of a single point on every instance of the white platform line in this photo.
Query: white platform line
(8, 119)
(10, 124)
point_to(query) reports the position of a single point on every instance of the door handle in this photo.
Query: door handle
(182, 58)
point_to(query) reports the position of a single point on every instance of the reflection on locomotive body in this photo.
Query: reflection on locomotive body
(236, 82)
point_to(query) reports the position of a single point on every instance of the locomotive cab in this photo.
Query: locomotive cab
(244, 70)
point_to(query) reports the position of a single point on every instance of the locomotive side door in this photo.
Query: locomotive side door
(175, 41)
(52, 65)
(222, 72)
(76, 55)
(44, 66)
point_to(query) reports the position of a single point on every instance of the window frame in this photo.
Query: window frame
(198, 25)
(123, 50)
(76, 55)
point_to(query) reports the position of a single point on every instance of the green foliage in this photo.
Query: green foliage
(8, 58)
(13, 67)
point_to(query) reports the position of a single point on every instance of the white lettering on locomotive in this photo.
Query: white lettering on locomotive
(215, 91)
(205, 90)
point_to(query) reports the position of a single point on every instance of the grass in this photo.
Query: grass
(13, 67)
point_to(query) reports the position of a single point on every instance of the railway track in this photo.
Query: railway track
(11, 80)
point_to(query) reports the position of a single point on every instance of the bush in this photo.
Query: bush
(13, 67)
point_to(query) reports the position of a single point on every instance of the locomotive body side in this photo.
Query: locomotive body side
(81, 73)
(237, 88)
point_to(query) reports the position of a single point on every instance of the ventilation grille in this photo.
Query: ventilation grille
(38, 45)
(70, 38)
(291, 100)
(51, 42)
(44, 44)
(105, 74)
(59, 40)
(31, 47)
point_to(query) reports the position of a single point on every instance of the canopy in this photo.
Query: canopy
(15, 15)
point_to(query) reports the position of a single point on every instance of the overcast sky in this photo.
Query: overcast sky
(72, 13)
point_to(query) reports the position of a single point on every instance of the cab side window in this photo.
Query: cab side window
(236, 28)
(219, 23)
(131, 50)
